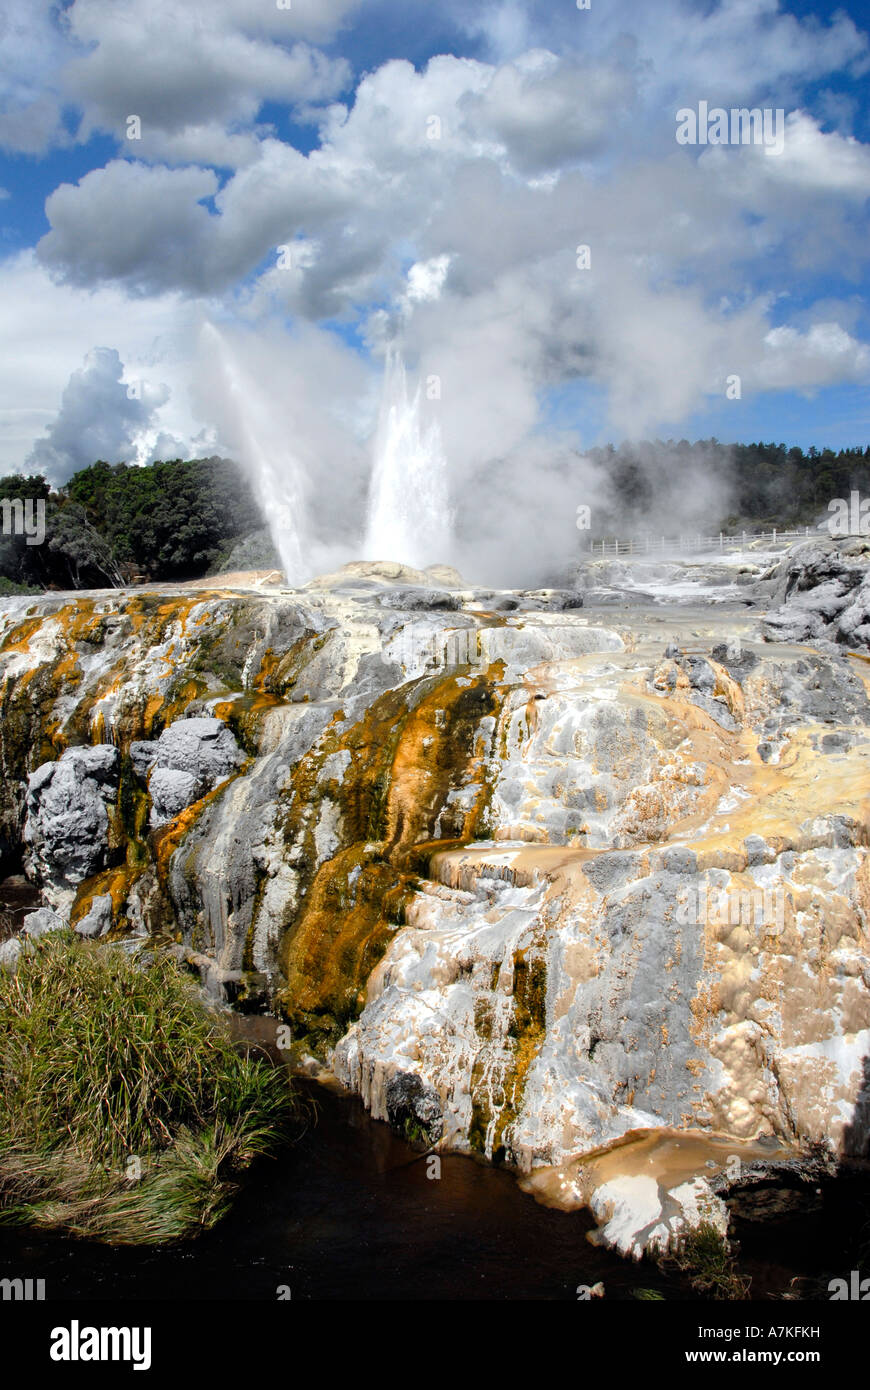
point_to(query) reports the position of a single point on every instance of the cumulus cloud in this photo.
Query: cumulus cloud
(189, 72)
(825, 355)
(48, 329)
(32, 50)
(813, 161)
(177, 69)
(722, 51)
(544, 112)
(100, 417)
(146, 227)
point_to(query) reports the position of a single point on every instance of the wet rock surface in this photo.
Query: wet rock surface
(533, 879)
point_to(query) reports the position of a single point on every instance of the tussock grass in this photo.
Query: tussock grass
(706, 1256)
(126, 1112)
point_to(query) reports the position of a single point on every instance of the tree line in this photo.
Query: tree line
(766, 484)
(113, 524)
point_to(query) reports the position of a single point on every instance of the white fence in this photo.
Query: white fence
(652, 545)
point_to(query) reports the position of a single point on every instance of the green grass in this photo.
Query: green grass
(126, 1112)
(705, 1255)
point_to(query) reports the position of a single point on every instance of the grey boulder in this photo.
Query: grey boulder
(824, 593)
(9, 952)
(98, 920)
(67, 813)
(191, 757)
(43, 920)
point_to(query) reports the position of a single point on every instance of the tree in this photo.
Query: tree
(81, 546)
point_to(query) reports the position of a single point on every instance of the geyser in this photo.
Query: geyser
(408, 518)
(249, 427)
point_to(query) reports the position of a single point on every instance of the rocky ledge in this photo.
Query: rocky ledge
(575, 879)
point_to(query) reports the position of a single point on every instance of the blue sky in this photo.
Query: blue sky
(310, 128)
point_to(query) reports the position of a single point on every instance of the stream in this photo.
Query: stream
(348, 1213)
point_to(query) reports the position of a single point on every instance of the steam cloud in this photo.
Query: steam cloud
(440, 211)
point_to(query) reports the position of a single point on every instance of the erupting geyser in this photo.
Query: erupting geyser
(249, 427)
(409, 519)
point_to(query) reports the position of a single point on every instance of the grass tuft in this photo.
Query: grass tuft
(706, 1256)
(126, 1112)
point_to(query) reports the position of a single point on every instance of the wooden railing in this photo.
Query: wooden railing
(662, 545)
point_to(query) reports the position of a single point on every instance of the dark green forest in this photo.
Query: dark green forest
(115, 524)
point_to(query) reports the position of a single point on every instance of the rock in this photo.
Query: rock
(737, 659)
(758, 851)
(10, 952)
(677, 859)
(143, 755)
(388, 571)
(446, 576)
(171, 791)
(67, 820)
(43, 920)
(502, 850)
(545, 601)
(700, 682)
(824, 591)
(191, 757)
(637, 1217)
(98, 921)
(413, 1107)
(418, 599)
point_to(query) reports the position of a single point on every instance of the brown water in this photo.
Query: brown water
(348, 1213)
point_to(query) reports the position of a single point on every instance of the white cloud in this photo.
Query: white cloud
(818, 162)
(48, 330)
(181, 68)
(175, 70)
(426, 279)
(825, 355)
(545, 112)
(143, 226)
(100, 417)
(31, 52)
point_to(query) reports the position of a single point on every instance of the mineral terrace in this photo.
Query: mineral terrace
(573, 879)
